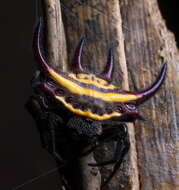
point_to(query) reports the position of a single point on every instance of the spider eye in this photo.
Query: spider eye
(131, 106)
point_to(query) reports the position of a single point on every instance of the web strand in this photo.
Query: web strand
(35, 178)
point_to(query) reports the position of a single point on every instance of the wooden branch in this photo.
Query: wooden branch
(57, 55)
(100, 22)
(91, 177)
(56, 52)
(56, 41)
(148, 44)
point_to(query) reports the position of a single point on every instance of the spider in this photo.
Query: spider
(75, 110)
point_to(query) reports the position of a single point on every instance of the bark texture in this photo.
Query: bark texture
(55, 37)
(57, 55)
(100, 22)
(148, 44)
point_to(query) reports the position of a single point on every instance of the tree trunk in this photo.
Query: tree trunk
(140, 46)
(148, 44)
(100, 22)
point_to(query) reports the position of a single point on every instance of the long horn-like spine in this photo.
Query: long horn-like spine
(143, 96)
(37, 50)
(109, 68)
(76, 66)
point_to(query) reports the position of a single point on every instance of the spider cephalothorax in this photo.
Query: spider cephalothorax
(90, 102)
(89, 95)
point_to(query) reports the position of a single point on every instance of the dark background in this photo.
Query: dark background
(21, 155)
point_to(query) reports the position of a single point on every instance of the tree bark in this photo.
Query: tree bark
(148, 44)
(100, 22)
(55, 36)
(57, 55)
(140, 45)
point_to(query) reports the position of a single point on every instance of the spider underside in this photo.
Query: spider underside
(66, 135)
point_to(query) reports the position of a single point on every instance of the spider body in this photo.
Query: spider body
(76, 109)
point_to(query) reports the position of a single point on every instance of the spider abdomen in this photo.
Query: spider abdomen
(89, 95)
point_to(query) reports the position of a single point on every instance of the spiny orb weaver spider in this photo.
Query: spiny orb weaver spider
(75, 110)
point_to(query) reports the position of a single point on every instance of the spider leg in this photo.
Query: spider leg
(46, 123)
(122, 148)
(91, 149)
(54, 122)
(119, 156)
(109, 133)
(35, 108)
(120, 134)
(102, 140)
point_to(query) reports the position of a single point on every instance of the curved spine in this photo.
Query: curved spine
(107, 74)
(37, 50)
(76, 66)
(143, 96)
